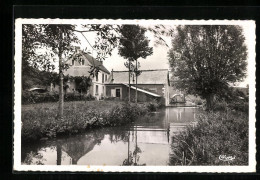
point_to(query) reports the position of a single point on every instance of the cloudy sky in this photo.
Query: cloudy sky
(159, 59)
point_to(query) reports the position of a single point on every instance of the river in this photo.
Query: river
(147, 141)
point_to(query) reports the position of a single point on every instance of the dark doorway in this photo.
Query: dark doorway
(118, 93)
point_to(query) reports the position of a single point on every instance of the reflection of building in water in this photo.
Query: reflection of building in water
(180, 114)
(152, 136)
(167, 124)
(178, 119)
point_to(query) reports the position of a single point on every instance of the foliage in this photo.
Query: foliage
(83, 83)
(233, 99)
(236, 105)
(41, 120)
(153, 106)
(32, 97)
(216, 133)
(106, 38)
(32, 77)
(133, 43)
(206, 58)
(56, 40)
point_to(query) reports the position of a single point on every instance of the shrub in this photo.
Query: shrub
(32, 97)
(42, 120)
(239, 106)
(198, 102)
(220, 106)
(152, 106)
(110, 98)
(216, 133)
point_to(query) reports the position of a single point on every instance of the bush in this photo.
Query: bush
(110, 98)
(216, 133)
(152, 106)
(32, 97)
(42, 120)
(239, 106)
(78, 97)
(198, 102)
(220, 106)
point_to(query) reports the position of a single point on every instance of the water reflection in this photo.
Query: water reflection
(148, 141)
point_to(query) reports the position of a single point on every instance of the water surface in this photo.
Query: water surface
(147, 141)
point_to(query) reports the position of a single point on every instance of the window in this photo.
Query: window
(105, 77)
(82, 62)
(96, 89)
(97, 77)
(102, 78)
(118, 93)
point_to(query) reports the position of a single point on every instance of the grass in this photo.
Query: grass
(52, 107)
(216, 133)
(41, 120)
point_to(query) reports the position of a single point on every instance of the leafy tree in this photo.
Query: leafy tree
(133, 45)
(31, 75)
(205, 59)
(83, 83)
(57, 42)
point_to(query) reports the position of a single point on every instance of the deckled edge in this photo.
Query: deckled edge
(17, 166)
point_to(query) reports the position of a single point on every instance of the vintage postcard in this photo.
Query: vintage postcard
(134, 95)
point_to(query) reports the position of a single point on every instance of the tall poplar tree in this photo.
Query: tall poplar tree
(133, 45)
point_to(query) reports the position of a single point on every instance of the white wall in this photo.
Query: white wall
(100, 84)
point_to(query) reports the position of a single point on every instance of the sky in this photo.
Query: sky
(159, 59)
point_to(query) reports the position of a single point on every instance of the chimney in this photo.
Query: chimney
(112, 75)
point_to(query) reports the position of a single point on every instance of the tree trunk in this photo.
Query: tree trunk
(61, 93)
(58, 154)
(129, 88)
(209, 101)
(128, 148)
(136, 82)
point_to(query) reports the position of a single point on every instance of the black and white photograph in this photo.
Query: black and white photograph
(134, 95)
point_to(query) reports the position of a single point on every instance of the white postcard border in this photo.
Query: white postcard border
(17, 166)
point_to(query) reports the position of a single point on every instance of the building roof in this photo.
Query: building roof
(156, 76)
(84, 70)
(95, 62)
(144, 91)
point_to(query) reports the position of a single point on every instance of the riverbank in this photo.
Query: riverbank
(40, 121)
(218, 134)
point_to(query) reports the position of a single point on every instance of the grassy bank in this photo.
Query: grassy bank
(41, 120)
(216, 133)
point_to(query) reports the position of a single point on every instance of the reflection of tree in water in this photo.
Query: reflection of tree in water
(117, 134)
(78, 146)
(34, 158)
(133, 157)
